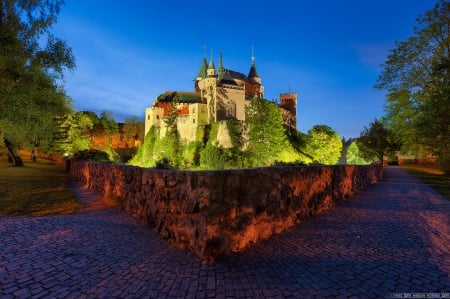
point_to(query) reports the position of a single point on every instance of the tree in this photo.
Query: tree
(90, 131)
(433, 124)
(72, 135)
(172, 138)
(416, 76)
(110, 129)
(133, 129)
(323, 145)
(354, 156)
(109, 126)
(266, 136)
(31, 73)
(373, 142)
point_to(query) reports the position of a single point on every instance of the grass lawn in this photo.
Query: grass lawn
(36, 189)
(431, 176)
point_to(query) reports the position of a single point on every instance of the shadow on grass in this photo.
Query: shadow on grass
(35, 189)
(431, 176)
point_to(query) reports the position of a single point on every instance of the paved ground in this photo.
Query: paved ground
(392, 238)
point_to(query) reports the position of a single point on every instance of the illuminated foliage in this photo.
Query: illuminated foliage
(133, 129)
(354, 155)
(173, 146)
(32, 62)
(323, 145)
(266, 136)
(70, 137)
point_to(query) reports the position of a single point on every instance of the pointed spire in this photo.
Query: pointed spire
(220, 62)
(221, 69)
(211, 72)
(253, 73)
(211, 62)
(253, 56)
(203, 69)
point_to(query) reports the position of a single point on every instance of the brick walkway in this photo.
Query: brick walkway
(392, 238)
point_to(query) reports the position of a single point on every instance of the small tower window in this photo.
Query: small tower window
(193, 120)
(157, 117)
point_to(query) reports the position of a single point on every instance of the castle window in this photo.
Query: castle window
(148, 116)
(193, 120)
(157, 117)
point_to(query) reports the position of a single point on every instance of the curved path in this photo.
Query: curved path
(392, 238)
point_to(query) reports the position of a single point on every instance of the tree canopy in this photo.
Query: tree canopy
(32, 63)
(323, 144)
(416, 77)
(354, 155)
(267, 135)
(373, 141)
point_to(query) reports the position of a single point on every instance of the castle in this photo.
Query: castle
(218, 95)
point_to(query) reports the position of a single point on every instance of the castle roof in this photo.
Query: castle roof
(230, 77)
(180, 97)
(253, 73)
(202, 72)
(211, 64)
(227, 76)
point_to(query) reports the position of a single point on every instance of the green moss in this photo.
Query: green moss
(213, 132)
(234, 128)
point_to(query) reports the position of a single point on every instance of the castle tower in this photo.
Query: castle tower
(289, 101)
(211, 71)
(288, 109)
(254, 87)
(253, 73)
(207, 88)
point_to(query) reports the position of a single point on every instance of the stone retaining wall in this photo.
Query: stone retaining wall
(217, 212)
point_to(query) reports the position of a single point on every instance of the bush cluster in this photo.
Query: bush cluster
(91, 155)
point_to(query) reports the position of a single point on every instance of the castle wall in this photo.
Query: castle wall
(254, 90)
(153, 117)
(229, 98)
(191, 116)
(223, 136)
(289, 119)
(187, 125)
(213, 213)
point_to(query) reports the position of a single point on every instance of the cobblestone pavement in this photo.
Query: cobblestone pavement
(392, 238)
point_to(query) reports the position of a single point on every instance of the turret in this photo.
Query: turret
(202, 73)
(211, 71)
(253, 73)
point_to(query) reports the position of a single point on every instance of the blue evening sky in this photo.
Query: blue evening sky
(329, 52)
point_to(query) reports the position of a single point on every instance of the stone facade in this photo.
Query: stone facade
(213, 213)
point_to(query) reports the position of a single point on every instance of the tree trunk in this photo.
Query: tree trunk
(34, 151)
(13, 153)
